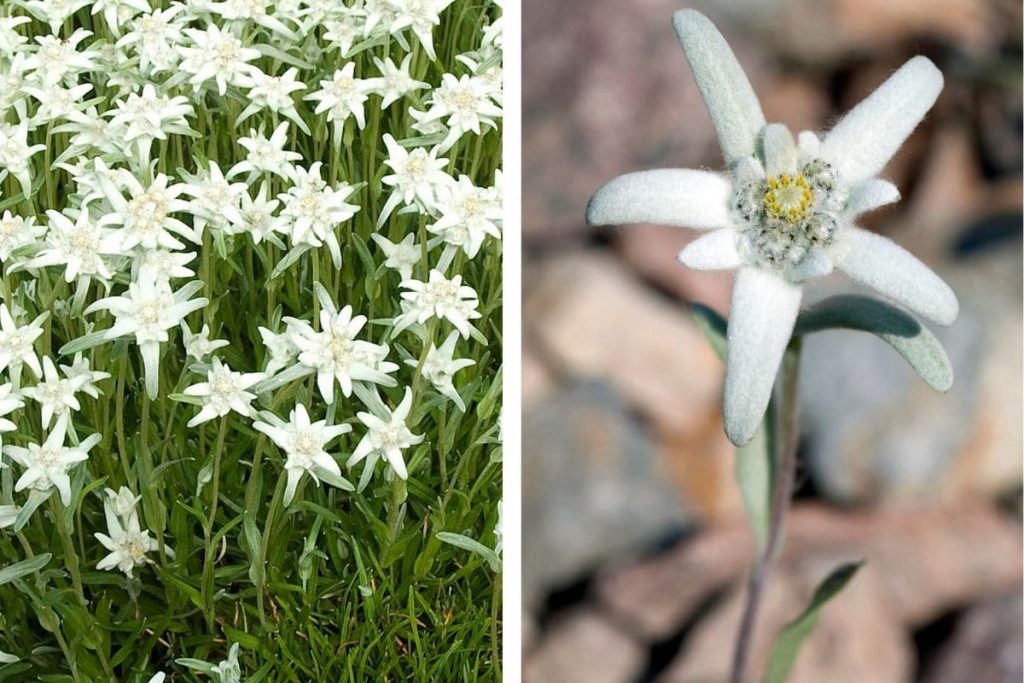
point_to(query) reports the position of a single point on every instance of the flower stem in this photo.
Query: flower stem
(782, 494)
(211, 549)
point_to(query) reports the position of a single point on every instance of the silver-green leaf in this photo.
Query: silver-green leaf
(892, 325)
(788, 643)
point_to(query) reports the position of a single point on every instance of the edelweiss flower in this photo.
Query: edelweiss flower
(417, 177)
(304, 442)
(229, 671)
(281, 350)
(217, 56)
(273, 93)
(16, 344)
(267, 155)
(401, 256)
(16, 231)
(785, 212)
(395, 82)
(126, 540)
(15, 155)
(314, 210)
(343, 96)
(80, 246)
(387, 437)
(47, 465)
(146, 216)
(54, 394)
(9, 402)
(420, 16)
(199, 345)
(83, 376)
(147, 310)
(464, 104)
(440, 366)
(439, 297)
(468, 215)
(335, 353)
(222, 392)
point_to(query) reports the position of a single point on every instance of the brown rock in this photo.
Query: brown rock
(920, 563)
(600, 322)
(985, 647)
(856, 638)
(583, 647)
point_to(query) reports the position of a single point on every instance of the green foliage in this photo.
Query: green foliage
(787, 645)
(340, 586)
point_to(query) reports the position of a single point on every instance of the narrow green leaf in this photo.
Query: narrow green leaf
(467, 543)
(20, 569)
(82, 343)
(755, 464)
(895, 327)
(713, 326)
(792, 636)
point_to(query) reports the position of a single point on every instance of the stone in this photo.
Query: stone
(598, 320)
(985, 646)
(591, 488)
(584, 647)
(919, 564)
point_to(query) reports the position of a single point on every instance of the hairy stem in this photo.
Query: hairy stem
(782, 494)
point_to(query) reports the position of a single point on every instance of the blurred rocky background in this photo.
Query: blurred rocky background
(635, 544)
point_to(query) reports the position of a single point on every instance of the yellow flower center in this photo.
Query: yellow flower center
(788, 198)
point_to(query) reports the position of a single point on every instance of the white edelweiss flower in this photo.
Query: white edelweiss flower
(146, 311)
(440, 298)
(464, 104)
(256, 11)
(16, 155)
(335, 352)
(395, 82)
(17, 344)
(468, 215)
(222, 392)
(150, 116)
(439, 367)
(56, 102)
(165, 265)
(378, 15)
(304, 444)
(47, 464)
(58, 60)
(199, 345)
(281, 350)
(17, 231)
(229, 671)
(10, 401)
(313, 210)
(786, 213)
(122, 501)
(80, 247)
(126, 540)
(81, 374)
(146, 214)
(267, 155)
(419, 16)
(343, 95)
(259, 220)
(273, 93)
(217, 55)
(154, 36)
(342, 32)
(401, 256)
(54, 394)
(387, 437)
(10, 38)
(215, 201)
(417, 178)
(54, 12)
(116, 12)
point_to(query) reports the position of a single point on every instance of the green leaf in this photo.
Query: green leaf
(467, 543)
(792, 636)
(20, 569)
(755, 464)
(895, 327)
(84, 342)
(713, 326)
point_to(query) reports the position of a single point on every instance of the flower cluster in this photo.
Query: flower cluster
(213, 212)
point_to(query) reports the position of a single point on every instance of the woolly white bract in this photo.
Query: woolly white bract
(784, 212)
(240, 242)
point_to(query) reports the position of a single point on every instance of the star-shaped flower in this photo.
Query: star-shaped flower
(784, 212)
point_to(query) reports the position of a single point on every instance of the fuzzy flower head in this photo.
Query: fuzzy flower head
(223, 391)
(387, 437)
(126, 540)
(784, 212)
(304, 444)
(47, 464)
